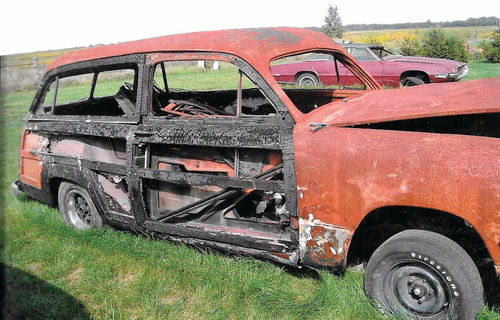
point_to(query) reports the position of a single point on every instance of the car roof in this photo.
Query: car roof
(256, 46)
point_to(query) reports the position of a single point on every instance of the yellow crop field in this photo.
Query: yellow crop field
(392, 39)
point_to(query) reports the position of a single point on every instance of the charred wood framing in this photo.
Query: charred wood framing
(270, 242)
(221, 195)
(84, 163)
(225, 134)
(140, 129)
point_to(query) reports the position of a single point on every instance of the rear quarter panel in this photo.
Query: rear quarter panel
(345, 173)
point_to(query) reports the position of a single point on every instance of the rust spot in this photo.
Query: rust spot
(322, 244)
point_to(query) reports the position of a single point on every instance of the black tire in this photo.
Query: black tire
(419, 274)
(307, 79)
(77, 208)
(411, 81)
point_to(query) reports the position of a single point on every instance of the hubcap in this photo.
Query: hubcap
(417, 287)
(307, 82)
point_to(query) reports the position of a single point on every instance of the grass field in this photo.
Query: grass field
(55, 272)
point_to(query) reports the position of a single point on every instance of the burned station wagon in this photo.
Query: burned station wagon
(137, 135)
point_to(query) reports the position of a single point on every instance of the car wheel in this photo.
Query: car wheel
(411, 81)
(307, 80)
(419, 274)
(77, 208)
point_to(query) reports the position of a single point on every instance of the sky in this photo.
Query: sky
(27, 26)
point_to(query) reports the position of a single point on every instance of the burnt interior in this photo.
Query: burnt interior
(214, 102)
(482, 124)
(182, 177)
(121, 102)
(306, 100)
(248, 208)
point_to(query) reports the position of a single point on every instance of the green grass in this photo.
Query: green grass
(55, 272)
(479, 69)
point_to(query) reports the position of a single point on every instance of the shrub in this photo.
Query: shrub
(491, 49)
(436, 44)
(409, 47)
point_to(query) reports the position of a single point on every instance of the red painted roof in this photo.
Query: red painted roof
(256, 46)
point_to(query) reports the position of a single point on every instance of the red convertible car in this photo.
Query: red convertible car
(388, 69)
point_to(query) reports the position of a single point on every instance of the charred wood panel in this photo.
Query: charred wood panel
(110, 130)
(221, 135)
(243, 240)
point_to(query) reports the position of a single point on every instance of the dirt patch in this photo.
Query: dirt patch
(34, 267)
(168, 300)
(126, 277)
(76, 275)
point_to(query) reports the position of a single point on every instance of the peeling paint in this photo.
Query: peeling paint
(322, 244)
(114, 187)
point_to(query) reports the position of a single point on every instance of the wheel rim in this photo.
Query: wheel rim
(417, 288)
(79, 210)
(307, 81)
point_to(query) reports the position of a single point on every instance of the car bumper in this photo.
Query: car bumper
(461, 72)
(15, 187)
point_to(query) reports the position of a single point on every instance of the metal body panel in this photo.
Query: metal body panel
(345, 173)
(477, 96)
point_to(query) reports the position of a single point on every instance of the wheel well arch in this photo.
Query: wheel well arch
(82, 177)
(424, 76)
(298, 74)
(382, 223)
(54, 184)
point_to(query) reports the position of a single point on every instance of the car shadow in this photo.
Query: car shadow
(25, 296)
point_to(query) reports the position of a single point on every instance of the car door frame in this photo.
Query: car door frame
(268, 132)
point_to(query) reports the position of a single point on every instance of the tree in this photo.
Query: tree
(436, 44)
(491, 49)
(333, 24)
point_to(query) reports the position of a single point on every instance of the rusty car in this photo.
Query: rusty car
(406, 180)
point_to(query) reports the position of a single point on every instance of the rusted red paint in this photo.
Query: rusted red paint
(30, 164)
(323, 244)
(86, 148)
(199, 165)
(345, 173)
(258, 47)
(413, 102)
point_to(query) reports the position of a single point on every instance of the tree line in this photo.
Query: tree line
(471, 22)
